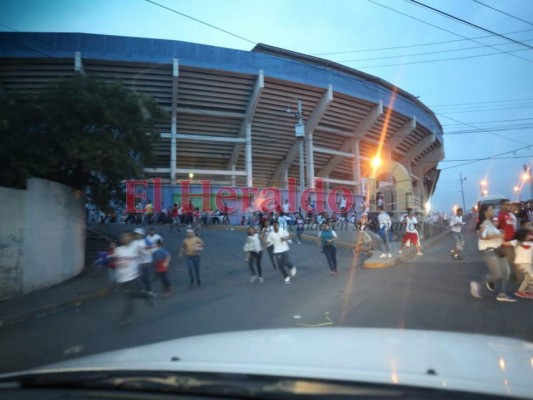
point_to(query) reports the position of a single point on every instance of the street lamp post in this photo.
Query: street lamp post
(483, 188)
(461, 179)
(526, 176)
(299, 130)
(517, 192)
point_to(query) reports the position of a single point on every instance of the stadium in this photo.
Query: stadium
(252, 118)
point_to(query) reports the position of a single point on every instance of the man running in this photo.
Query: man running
(280, 238)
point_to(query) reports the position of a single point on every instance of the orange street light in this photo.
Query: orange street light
(376, 162)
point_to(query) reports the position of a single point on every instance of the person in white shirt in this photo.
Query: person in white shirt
(144, 248)
(267, 228)
(385, 231)
(286, 207)
(127, 275)
(252, 248)
(456, 224)
(280, 238)
(523, 259)
(411, 233)
(490, 238)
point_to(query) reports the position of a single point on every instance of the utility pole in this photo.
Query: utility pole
(461, 179)
(299, 131)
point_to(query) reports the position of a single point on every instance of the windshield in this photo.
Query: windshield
(173, 169)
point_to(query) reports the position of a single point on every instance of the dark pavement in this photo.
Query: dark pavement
(427, 292)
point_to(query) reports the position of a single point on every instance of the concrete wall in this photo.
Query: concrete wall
(42, 236)
(11, 241)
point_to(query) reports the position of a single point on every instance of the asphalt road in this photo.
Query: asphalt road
(429, 292)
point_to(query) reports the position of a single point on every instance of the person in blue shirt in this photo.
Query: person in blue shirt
(327, 237)
(161, 260)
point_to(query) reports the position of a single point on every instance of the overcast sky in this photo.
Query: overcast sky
(479, 84)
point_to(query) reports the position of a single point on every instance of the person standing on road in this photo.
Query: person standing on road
(144, 250)
(267, 228)
(280, 238)
(456, 223)
(523, 245)
(490, 240)
(175, 217)
(385, 232)
(252, 247)
(127, 275)
(161, 260)
(286, 207)
(299, 228)
(327, 237)
(191, 248)
(411, 233)
(363, 238)
(507, 223)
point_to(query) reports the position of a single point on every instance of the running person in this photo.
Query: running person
(279, 238)
(267, 228)
(252, 247)
(327, 237)
(127, 275)
(490, 240)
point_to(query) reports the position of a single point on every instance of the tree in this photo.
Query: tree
(83, 132)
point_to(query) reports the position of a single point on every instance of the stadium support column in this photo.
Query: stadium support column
(78, 63)
(174, 120)
(309, 159)
(248, 155)
(357, 167)
(233, 176)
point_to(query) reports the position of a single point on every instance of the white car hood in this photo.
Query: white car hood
(456, 361)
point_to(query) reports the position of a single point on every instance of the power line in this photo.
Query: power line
(423, 54)
(36, 39)
(444, 59)
(442, 29)
(483, 130)
(495, 129)
(487, 109)
(493, 121)
(487, 158)
(202, 22)
(414, 45)
(503, 12)
(469, 23)
(481, 102)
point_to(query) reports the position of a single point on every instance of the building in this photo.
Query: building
(252, 118)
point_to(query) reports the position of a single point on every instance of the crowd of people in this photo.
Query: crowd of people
(506, 246)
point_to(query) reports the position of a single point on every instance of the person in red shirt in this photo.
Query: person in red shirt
(175, 217)
(507, 224)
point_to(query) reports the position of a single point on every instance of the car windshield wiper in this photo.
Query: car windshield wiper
(221, 384)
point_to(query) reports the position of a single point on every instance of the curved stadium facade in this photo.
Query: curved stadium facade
(233, 115)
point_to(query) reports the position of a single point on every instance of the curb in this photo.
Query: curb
(50, 308)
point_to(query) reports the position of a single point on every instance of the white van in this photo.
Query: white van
(494, 200)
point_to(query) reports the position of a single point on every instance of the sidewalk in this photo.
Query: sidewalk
(93, 283)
